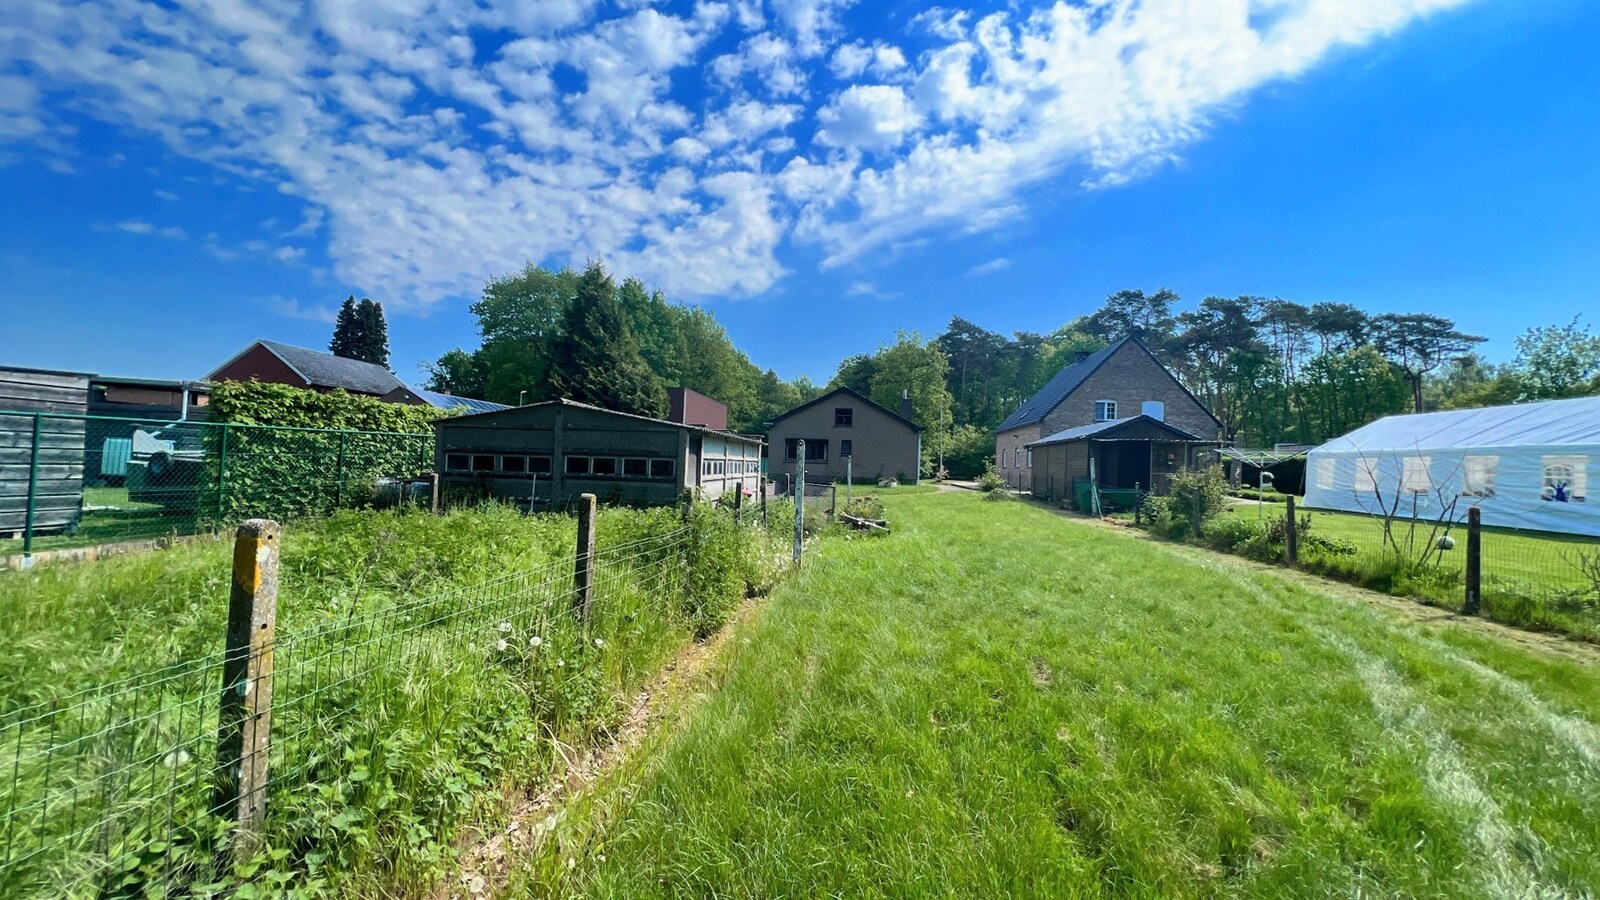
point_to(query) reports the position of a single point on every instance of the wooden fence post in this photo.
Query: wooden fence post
(763, 483)
(433, 492)
(583, 561)
(1138, 504)
(245, 727)
(738, 502)
(1474, 573)
(799, 479)
(1291, 544)
(833, 501)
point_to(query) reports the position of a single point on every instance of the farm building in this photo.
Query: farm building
(439, 400)
(844, 425)
(56, 475)
(1098, 388)
(1525, 466)
(273, 363)
(1141, 451)
(549, 453)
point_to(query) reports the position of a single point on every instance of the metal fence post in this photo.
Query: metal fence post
(583, 563)
(244, 729)
(222, 478)
(849, 478)
(33, 492)
(338, 486)
(1291, 544)
(1474, 572)
(433, 491)
(799, 500)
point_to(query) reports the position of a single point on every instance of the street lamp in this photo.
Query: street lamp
(520, 395)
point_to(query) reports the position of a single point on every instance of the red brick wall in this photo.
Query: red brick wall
(693, 408)
(260, 364)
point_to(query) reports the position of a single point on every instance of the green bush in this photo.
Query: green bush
(990, 480)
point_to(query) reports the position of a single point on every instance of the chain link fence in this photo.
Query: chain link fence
(71, 481)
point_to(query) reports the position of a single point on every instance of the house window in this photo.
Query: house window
(483, 462)
(1565, 479)
(1105, 410)
(660, 468)
(603, 465)
(1324, 472)
(635, 468)
(514, 465)
(1414, 475)
(844, 417)
(791, 447)
(577, 465)
(845, 447)
(1030, 459)
(539, 465)
(816, 451)
(457, 462)
(1366, 476)
(1477, 476)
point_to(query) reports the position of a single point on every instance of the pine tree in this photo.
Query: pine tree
(597, 360)
(346, 331)
(374, 331)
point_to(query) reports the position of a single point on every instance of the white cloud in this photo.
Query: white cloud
(288, 254)
(290, 308)
(998, 264)
(427, 160)
(168, 196)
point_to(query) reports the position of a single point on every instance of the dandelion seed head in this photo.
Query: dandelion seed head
(599, 643)
(501, 645)
(505, 627)
(535, 641)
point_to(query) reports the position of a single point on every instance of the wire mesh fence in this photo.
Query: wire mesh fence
(74, 480)
(122, 788)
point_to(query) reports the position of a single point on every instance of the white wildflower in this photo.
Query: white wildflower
(501, 645)
(177, 758)
(599, 643)
(535, 641)
(561, 664)
(571, 863)
(505, 627)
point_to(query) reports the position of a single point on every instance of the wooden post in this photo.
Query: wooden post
(738, 501)
(799, 500)
(1138, 504)
(833, 500)
(33, 493)
(1291, 544)
(245, 727)
(433, 492)
(583, 560)
(763, 483)
(1474, 573)
(849, 476)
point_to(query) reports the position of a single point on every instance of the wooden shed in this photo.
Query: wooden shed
(549, 453)
(1122, 454)
(57, 475)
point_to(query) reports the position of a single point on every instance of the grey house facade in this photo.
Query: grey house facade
(549, 453)
(1123, 380)
(844, 425)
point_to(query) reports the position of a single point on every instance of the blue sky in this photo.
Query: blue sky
(818, 173)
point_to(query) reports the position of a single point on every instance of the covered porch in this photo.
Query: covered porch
(1120, 456)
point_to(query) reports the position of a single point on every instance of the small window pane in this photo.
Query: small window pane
(516, 465)
(844, 417)
(846, 448)
(816, 451)
(660, 468)
(457, 462)
(1325, 473)
(1565, 479)
(604, 465)
(1366, 475)
(539, 465)
(635, 468)
(577, 465)
(1030, 458)
(1414, 475)
(1477, 476)
(483, 463)
(791, 447)
(1105, 410)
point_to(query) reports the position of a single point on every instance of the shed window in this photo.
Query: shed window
(539, 465)
(636, 468)
(603, 465)
(1324, 472)
(1477, 476)
(483, 462)
(1105, 410)
(845, 447)
(1565, 479)
(457, 462)
(1414, 475)
(515, 465)
(844, 417)
(660, 468)
(577, 465)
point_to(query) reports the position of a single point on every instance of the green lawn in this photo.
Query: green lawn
(997, 701)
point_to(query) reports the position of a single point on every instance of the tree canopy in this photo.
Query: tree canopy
(361, 332)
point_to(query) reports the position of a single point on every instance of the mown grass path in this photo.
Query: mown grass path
(995, 701)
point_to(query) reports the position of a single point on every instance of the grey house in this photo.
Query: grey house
(844, 425)
(549, 453)
(1122, 381)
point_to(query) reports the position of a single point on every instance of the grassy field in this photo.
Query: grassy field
(996, 701)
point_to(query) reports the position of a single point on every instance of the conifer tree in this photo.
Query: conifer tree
(373, 346)
(346, 331)
(597, 360)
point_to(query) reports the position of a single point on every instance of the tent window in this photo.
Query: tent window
(1565, 479)
(1366, 476)
(1477, 476)
(1414, 476)
(1325, 471)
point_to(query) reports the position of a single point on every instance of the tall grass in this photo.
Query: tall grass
(426, 667)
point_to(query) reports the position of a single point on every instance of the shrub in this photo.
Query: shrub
(1199, 494)
(865, 507)
(990, 480)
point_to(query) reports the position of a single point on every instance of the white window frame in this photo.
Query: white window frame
(1366, 477)
(1478, 476)
(1105, 410)
(1030, 457)
(1414, 477)
(1571, 469)
(1327, 473)
(449, 467)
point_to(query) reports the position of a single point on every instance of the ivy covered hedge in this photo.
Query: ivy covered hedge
(289, 452)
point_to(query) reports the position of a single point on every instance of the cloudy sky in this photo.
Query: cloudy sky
(179, 181)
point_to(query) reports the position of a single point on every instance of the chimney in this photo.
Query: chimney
(905, 404)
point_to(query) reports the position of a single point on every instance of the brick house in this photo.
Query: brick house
(1122, 381)
(274, 363)
(879, 442)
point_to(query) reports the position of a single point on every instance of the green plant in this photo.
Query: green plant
(1199, 494)
(990, 480)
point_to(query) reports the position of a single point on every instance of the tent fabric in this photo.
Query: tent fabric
(1529, 466)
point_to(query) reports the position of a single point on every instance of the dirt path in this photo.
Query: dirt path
(488, 860)
(1413, 610)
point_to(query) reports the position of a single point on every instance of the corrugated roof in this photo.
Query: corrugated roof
(1067, 380)
(1080, 432)
(700, 429)
(451, 401)
(1545, 424)
(329, 371)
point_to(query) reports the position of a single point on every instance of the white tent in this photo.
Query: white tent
(1526, 466)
